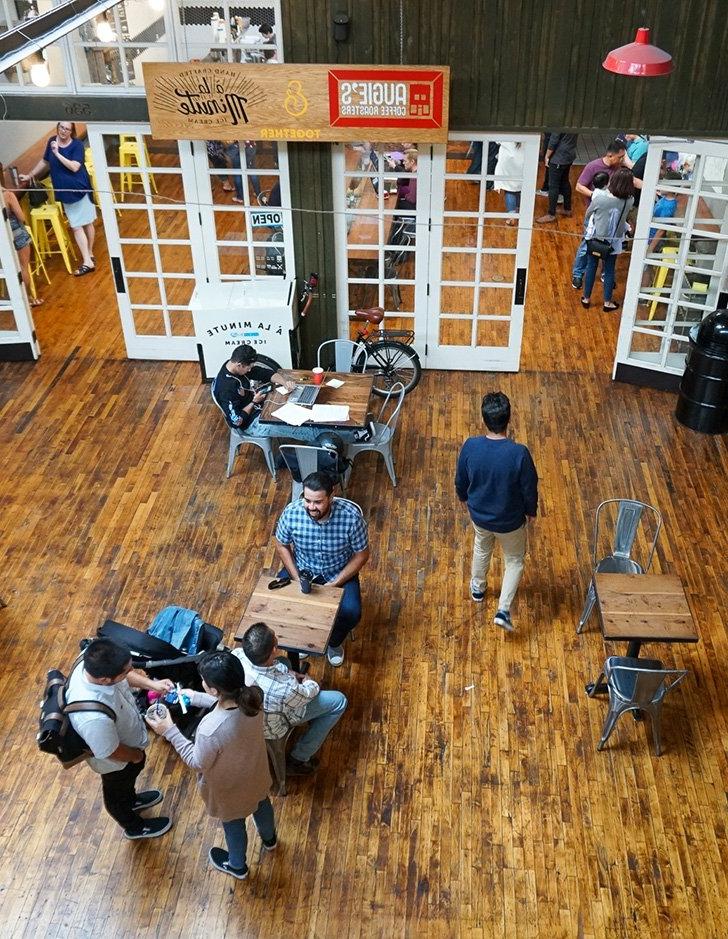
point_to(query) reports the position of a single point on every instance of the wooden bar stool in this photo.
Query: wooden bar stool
(37, 265)
(40, 218)
(129, 156)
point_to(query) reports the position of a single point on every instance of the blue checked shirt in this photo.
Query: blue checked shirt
(325, 547)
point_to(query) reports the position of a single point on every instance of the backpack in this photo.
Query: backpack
(55, 733)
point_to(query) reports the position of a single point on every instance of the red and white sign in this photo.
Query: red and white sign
(388, 98)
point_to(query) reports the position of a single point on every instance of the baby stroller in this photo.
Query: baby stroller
(160, 659)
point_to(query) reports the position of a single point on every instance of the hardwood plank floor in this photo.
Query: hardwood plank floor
(462, 794)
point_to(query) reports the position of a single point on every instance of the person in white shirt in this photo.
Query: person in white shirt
(289, 698)
(105, 675)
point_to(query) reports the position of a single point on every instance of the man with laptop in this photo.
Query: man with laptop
(241, 403)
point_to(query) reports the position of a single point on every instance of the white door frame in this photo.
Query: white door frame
(473, 356)
(17, 299)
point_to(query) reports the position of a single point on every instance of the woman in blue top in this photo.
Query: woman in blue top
(64, 157)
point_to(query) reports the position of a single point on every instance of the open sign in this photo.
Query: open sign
(266, 219)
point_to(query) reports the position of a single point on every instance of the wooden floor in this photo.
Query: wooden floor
(462, 794)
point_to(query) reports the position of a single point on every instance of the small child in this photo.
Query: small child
(665, 207)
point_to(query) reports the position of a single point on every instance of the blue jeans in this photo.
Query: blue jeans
(580, 261)
(237, 837)
(306, 435)
(349, 612)
(591, 275)
(323, 713)
(232, 152)
(513, 200)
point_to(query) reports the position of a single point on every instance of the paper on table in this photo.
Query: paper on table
(281, 389)
(328, 413)
(292, 414)
(334, 383)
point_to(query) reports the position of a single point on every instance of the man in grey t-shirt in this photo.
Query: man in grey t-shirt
(117, 745)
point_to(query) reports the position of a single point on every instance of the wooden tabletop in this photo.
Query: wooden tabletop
(644, 607)
(301, 621)
(355, 392)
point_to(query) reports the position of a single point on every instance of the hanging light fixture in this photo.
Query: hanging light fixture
(104, 30)
(39, 74)
(157, 5)
(639, 58)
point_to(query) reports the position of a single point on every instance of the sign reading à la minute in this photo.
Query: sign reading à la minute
(229, 101)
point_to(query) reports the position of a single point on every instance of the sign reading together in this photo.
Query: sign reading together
(227, 101)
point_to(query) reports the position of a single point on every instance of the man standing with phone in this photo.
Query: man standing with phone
(497, 479)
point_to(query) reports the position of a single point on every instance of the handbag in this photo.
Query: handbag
(37, 196)
(600, 247)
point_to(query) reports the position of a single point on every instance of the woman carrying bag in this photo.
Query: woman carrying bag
(606, 223)
(230, 757)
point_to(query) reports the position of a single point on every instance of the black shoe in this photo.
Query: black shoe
(271, 844)
(296, 767)
(219, 858)
(503, 619)
(576, 282)
(145, 800)
(477, 595)
(153, 828)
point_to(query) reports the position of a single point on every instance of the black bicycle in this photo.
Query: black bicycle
(388, 353)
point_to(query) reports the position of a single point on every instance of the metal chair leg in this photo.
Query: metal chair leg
(655, 720)
(389, 463)
(591, 599)
(609, 725)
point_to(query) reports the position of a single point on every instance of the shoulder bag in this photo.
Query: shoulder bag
(600, 247)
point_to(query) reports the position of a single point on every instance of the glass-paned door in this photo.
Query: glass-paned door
(16, 321)
(678, 254)
(148, 197)
(245, 205)
(482, 210)
(382, 208)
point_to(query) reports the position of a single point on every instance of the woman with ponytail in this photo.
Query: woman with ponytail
(230, 758)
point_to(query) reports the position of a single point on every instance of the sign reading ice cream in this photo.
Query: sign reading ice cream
(230, 101)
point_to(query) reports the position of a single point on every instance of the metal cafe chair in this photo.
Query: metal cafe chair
(637, 685)
(383, 437)
(302, 460)
(620, 560)
(238, 437)
(346, 351)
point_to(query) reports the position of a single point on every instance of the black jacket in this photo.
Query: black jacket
(564, 147)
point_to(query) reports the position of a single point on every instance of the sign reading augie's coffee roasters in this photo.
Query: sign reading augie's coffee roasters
(227, 101)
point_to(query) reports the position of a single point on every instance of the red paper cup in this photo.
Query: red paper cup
(318, 375)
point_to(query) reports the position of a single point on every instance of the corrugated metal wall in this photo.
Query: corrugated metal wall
(515, 65)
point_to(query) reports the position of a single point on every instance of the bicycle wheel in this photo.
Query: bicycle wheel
(391, 361)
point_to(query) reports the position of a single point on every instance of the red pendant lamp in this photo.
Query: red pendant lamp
(639, 58)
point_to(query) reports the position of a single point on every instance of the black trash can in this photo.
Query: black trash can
(703, 401)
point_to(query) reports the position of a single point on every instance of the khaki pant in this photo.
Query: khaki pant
(513, 544)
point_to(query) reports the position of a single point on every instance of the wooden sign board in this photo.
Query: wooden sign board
(230, 101)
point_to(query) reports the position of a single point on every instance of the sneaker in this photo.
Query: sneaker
(503, 619)
(542, 192)
(477, 595)
(544, 219)
(296, 767)
(560, 200)
(576, 282)
(145, 800)
(335, 655)
(269, 845)
(153, 828)
(219, 858)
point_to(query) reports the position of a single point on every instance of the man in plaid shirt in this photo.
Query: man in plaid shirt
(289, 698)
(326, 538)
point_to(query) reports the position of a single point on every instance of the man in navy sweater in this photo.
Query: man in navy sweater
(497, 479)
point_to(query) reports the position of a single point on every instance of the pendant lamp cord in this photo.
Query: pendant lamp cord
(401, 32)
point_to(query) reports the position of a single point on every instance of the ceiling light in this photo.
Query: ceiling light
(639, 59)
(104, 31)
(39, 75)
(157, 5)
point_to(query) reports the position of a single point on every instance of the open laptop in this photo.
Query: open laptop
(304, 394)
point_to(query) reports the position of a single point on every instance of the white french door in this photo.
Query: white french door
(479, 251)
(17, 331)
(452, 267)
(174, 217)
(679, 254)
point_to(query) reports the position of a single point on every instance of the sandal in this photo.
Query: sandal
(36, 301)
(610, 307)
(585, 302)
(228, 188)
(83, 269)
(239, 201)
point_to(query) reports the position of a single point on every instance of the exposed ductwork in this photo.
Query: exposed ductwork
(33, 35)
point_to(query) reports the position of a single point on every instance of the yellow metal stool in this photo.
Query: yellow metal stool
(37, 265)
(88, 161)
(660, 278)
(129, 156)
(39, 219)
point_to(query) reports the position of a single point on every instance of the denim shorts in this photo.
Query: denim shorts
(21, 238)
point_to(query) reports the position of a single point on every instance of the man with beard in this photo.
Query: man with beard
(325, 539)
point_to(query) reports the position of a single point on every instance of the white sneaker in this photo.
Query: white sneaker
(335, 655)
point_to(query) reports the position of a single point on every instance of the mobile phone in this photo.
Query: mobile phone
(264, 389)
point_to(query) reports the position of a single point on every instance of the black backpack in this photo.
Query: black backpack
(55, 733)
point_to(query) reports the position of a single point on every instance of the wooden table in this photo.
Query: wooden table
(355, 392)
(637, 608)
(301, 621)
